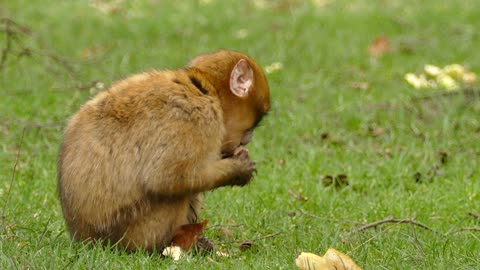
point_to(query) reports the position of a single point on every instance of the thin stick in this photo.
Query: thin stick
(475, 214)
(329, 219)
(263, 237)
(476, 229)
(14, 173)
(224, 225)
(392, 220)
(8, 44)
(465, 91)
(253, 239)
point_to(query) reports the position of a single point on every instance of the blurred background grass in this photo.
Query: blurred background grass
(337, 110)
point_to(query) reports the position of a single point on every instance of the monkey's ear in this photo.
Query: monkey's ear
(241, 78)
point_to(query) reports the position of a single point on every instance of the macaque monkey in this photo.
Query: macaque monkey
(137, 157)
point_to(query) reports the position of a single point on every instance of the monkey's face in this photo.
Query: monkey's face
(244, 105)
(239, 133)
(243, 91)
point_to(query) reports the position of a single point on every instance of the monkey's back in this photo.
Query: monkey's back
(119, 143)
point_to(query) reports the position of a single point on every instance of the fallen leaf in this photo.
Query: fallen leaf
(418, 177)
(475, 214)
(332, 260)
(224, 233)
(376, 131)
(337, 181)
(292, 213)
(360, 85)
(379, 47)
(385, 152)
(187, 235)
(443, 157)
(245, 245)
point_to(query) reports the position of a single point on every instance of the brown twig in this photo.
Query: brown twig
(14, 173)
(329, 219)
(11, 29)
(476, 229)
(297, 196)
(224, 225)
(263, 237)
(392, 220)
(253, 239)
(22, 29)
(53, 62)
(466, 91)
(8, 45)
(474, 214)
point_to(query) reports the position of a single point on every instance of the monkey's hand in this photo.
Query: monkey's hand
(246, 167)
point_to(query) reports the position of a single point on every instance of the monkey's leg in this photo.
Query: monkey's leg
(196, 201)
(154, 229)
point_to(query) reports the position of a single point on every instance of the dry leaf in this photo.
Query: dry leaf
(187, 235)
(291, 213)
(338, 181)
(360, 85)
(245, 245)
(224, 233)
(443, 157)
(376, 131)
(325, 135)
(332, 260)
(379, 47)
(475, 214)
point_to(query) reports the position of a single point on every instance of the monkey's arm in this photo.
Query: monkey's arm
(234, 171)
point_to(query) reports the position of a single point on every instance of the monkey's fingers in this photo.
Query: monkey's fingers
(241, 153)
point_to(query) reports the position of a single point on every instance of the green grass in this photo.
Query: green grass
(323, 51)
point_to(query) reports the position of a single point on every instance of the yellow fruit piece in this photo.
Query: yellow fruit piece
(447, 82)
(175, 252)
(310, 261)
(417, 81)
(332, 260)
(454, 70)
(433, 70)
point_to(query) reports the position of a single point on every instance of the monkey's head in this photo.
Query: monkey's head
(243, 92)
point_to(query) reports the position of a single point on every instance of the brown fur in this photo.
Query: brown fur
(136, 158)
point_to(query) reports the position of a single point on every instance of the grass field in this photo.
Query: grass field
(337, 110)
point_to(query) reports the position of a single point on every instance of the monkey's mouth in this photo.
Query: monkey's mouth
(227, 154)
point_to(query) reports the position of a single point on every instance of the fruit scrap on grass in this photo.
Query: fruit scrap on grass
(175, 252)
(332, 260)
(450, 77)
(185, 238)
